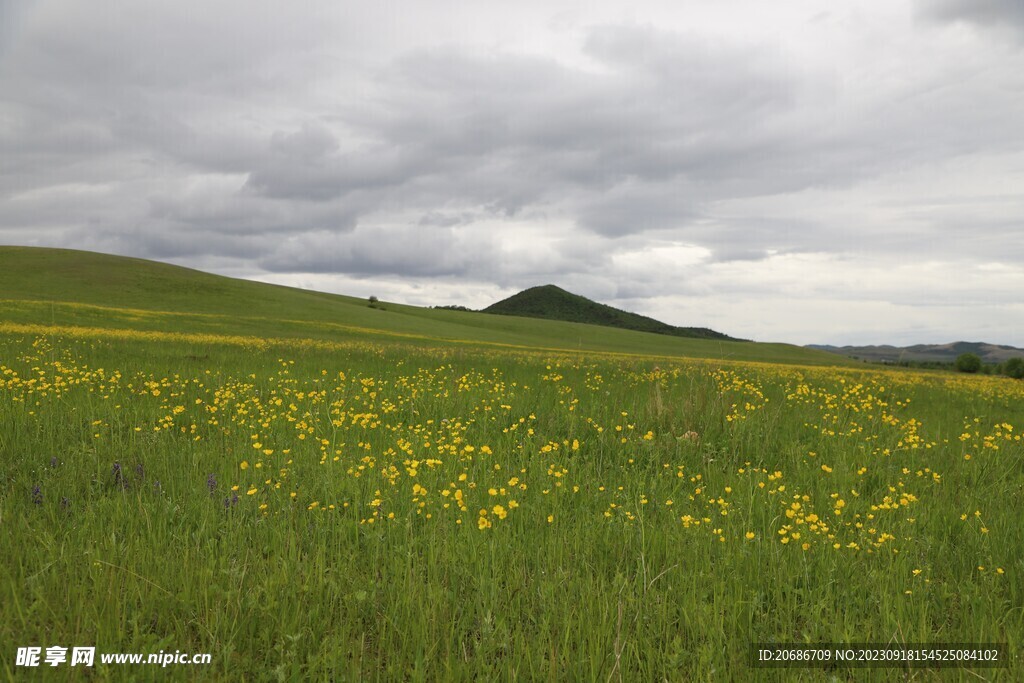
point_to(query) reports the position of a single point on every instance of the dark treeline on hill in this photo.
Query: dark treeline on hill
(554, 303)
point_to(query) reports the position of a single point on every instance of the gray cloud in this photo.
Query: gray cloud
(308, 165)
(634, 208)
(503, 148)
(406, 251)
(996, 13)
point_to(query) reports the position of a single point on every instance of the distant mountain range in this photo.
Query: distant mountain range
(554, 303)
(925, 353)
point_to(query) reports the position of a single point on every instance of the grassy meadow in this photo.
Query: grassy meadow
(68, 288)
(371, 506)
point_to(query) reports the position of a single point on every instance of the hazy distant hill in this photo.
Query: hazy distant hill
(935, 353)
(554, 303)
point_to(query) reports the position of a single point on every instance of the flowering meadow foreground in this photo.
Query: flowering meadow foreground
(397, 512)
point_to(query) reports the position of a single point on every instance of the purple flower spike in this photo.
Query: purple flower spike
(119, 475)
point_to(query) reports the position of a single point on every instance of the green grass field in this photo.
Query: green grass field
(429, 499)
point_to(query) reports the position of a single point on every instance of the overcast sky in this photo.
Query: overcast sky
(808, 172)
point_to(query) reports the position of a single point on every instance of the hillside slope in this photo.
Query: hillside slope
(66, 287)
(554, 303)
(926, 353)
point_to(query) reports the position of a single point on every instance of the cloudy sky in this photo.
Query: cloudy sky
(808, 172)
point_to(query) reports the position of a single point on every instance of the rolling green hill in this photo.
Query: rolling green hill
(554, 303)
(62, 287)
